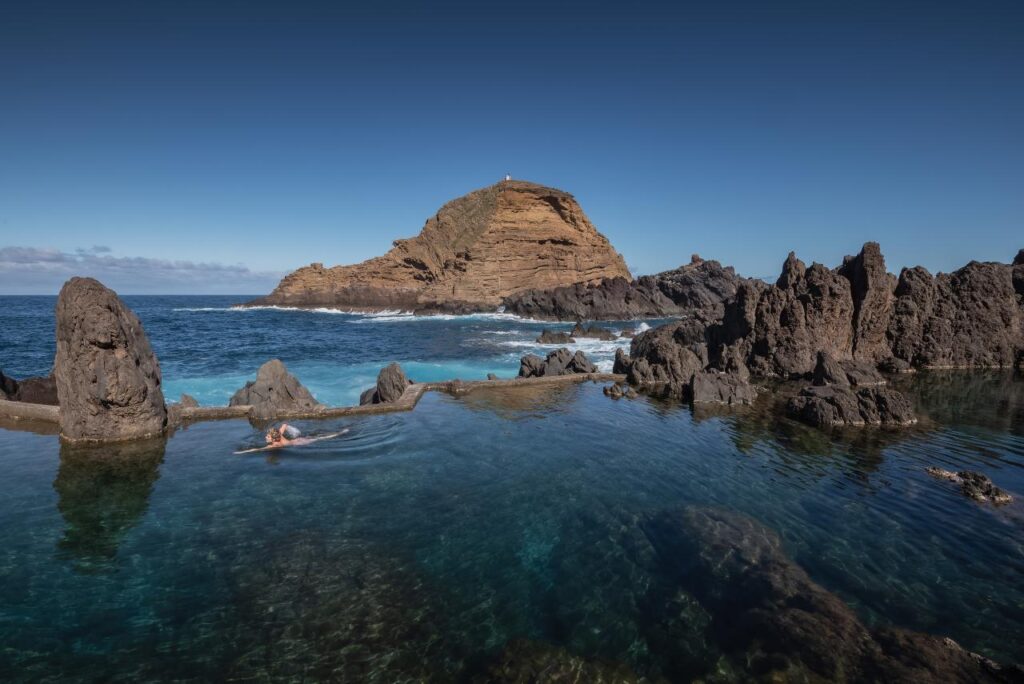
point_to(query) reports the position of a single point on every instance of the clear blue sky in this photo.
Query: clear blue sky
(206, 147)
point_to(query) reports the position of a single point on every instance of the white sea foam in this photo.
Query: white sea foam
(316, 310)
(412, 318)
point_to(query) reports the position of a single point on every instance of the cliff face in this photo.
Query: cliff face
(477, 250)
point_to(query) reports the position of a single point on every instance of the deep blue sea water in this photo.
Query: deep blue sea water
(419, 544)
(209, 349)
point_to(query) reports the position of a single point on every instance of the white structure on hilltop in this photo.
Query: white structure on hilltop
(508, 176)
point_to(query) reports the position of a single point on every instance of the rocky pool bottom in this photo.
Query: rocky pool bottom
(501, 533)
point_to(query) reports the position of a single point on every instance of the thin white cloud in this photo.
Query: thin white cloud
(35, 270)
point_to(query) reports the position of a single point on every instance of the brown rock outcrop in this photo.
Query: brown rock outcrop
(808, 309)
(108, 379)
(872, 289)
(835, 406)
(970, 318)
(274, 391)
(847, 373)
(477, 250)
(559, 362)
(391, 384)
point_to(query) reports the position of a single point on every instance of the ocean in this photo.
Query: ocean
(419, 545)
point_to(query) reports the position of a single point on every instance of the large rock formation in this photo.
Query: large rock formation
(699, 289)
(970, 318)
(973, 317)
(108, 379)
(274, 391)
(857, 315)
(477, 250)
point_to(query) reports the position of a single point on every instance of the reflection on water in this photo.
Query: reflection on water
(520, 403)
(104, 492)
(495, 536)
(991, 399)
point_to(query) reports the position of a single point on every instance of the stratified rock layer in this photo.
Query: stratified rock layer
(108, 379)
(474, 252)
(274, 391)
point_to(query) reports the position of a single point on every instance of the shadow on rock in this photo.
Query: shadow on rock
(103, 493)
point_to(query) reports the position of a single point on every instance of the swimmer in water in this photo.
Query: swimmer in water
(282, 435)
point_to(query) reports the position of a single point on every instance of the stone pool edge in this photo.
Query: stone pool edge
(16, 411)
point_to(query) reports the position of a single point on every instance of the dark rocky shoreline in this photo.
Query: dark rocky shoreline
(845, 323)
(699, 288)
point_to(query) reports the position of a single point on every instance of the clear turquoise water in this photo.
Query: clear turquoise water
(418, 544)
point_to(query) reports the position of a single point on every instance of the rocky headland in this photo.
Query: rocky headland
(476, 251)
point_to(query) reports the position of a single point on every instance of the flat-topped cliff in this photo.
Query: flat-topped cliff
(477, 250)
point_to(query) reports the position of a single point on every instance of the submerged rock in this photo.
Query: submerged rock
(531, 662)
(555, 337)
(108, 379)
(559, 362)
(833, 406)
(974, 485)
(391, 384)
(778, 624)
(314, 607)
(618, 391)
(275, 391)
